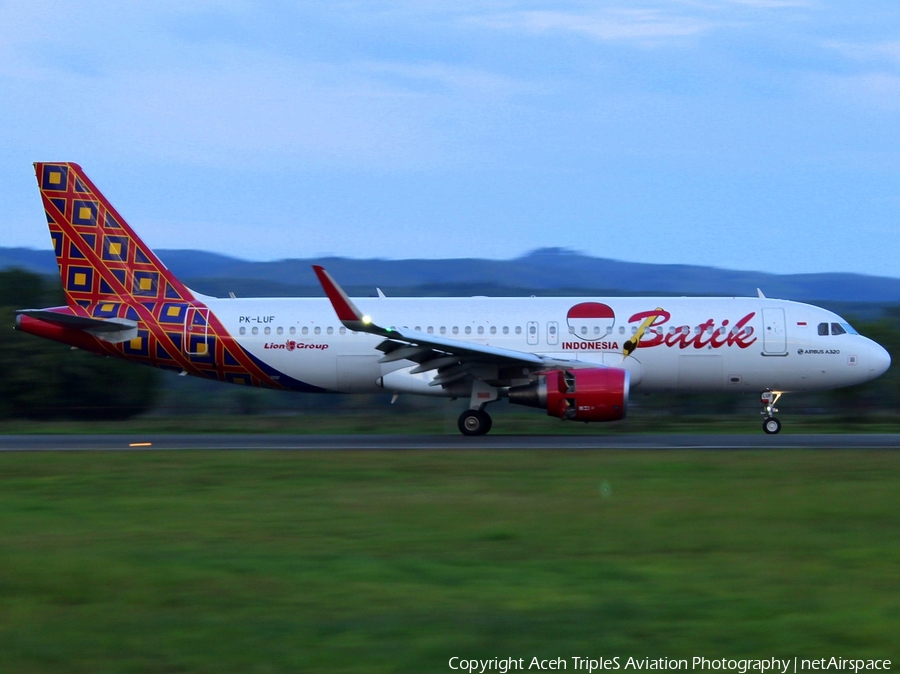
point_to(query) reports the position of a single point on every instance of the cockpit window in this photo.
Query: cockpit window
(837, 329)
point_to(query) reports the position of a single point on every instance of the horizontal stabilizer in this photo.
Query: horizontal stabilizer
(113, 330)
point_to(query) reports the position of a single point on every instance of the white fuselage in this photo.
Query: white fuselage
(693, 344)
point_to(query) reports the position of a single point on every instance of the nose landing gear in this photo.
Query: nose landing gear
(771, 425)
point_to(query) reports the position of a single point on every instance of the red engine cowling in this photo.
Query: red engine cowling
(591, 394)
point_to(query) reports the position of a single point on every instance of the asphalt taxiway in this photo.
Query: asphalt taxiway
(444, 442)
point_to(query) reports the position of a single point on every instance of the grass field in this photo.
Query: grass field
(395, 561)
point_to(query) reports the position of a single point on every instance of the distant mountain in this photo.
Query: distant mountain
(190, 262)
(548, 271)
(39, 261)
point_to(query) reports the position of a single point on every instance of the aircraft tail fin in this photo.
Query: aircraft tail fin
(100, 257)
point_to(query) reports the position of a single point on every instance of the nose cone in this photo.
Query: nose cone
(879, 360)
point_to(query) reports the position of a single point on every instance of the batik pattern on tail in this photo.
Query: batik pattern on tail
(108, 272)
(99, 255)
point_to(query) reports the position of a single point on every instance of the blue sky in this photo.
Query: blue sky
(752, 134)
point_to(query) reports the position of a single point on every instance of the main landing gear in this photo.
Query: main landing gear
(771, 425)
(474, 422)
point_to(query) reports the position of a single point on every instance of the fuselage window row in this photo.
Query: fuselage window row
(824, 329)
(430, 330)
(467, 330)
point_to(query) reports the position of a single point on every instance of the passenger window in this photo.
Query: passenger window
(505, 330)
(480, 330)
(430, 330)
(468, 330)
(455, 330)
(268, 330)
(305, 331)
(243, 331)
(823, 329)
(518, 329)
(343, 331)
(443, 330)
(279, 330)
(532, 330)
(293, 330)
(493, 330)
(330, 330)
(255, 331)
(318, 331)
(836, 329)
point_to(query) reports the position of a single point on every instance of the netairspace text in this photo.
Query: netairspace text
(737, 665)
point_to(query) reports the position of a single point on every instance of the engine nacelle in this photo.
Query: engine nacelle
(591, 394)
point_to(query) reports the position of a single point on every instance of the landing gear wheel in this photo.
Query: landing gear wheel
(771, 425)
(474, 422)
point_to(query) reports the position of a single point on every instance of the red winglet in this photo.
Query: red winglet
(343, 306)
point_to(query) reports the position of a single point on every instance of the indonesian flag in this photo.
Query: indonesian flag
(591, 320)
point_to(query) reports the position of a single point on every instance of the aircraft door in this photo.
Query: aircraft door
(196, 332)
(553, 333)
(774, 334)
(531, 332)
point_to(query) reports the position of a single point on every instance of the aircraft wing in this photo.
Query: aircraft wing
(454, 359)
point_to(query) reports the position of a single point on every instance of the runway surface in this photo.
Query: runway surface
(449, 442)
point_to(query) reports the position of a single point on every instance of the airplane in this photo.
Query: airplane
(578, 359)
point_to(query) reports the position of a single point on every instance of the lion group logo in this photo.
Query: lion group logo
(591, 320)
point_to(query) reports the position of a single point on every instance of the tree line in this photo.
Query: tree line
(46, 380)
